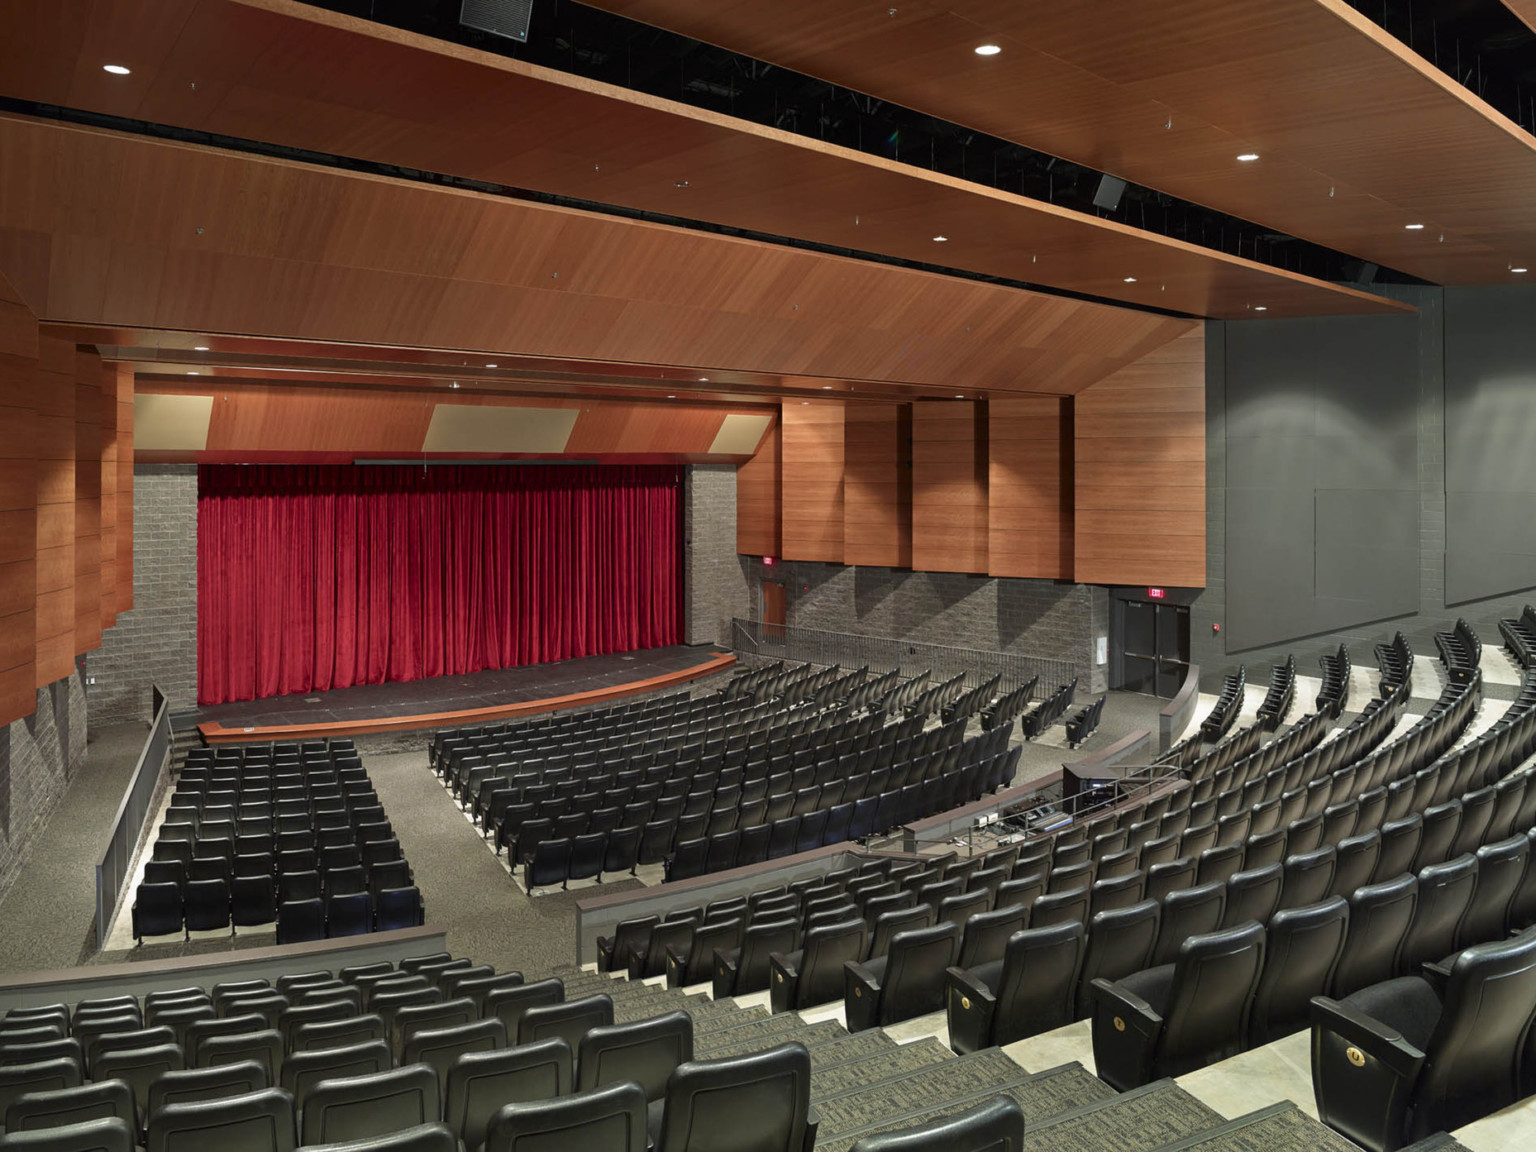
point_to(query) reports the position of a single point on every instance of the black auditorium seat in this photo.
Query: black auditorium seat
(1301, 950)
(813, 973)
(705, 1099)
(645, 1052)
(907, 981)
(746, 969)
(1029, 991)
(607, 1119)
(994, 1126)
(613, 952)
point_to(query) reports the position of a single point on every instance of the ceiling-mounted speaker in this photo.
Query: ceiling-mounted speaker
(507, 18)
(1108, 195)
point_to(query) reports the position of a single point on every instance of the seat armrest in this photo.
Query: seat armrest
(676, 962)
(1126, 1031)
(861, 997)
(604, 953)
(812, 1127)
(725, 974)
(971, 1010)
(1436, 974)
(783, 981)
(1363, 1074)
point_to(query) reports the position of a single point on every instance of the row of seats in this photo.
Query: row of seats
(1229, 702)
(1085, 723)
(1002, 712)
(306, 912)
(1048, 711)
(1461, 651)
(1280, 695)
(1394, 661)
(1334, 694)
(970, 702)
(937, 697)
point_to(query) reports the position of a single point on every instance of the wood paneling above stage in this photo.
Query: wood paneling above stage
(949, 486)
(1357, 134)
(283, 72)
(877, 485)
(759, 503)
(812, 481)
(102, 229)
(1029, 488)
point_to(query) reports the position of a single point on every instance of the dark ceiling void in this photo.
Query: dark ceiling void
(1480, 44)
(588, 42)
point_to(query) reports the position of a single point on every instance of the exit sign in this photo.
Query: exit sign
(1157, 593)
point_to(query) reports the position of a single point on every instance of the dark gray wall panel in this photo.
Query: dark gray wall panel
(1490, 441)
(1322, 497)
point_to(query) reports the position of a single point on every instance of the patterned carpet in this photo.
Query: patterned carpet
(1135, 1121)
(882, 1066)
(1279, 1128)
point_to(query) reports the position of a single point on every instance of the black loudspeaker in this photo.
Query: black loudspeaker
(507, 18)
(1108, 195)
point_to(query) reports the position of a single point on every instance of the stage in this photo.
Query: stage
(448, 700)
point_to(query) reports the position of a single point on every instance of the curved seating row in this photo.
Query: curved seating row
(936, 698)
(1085, 723)
(1334, 694)
(1280, 696)
(1394, 660)
(1009, 706)
(1461, 651)
(1229, 702)
(1048, 711)
(970, 702)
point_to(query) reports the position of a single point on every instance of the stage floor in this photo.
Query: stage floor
(429, 700)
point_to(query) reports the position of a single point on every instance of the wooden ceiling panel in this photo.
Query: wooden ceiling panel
(156, 235)
(1357, 134)
(283, 72)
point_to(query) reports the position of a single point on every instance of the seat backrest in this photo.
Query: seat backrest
(1302, 949)
(59, 1106)
(1470, 1060)
(139, 1067)
(193, 1084)
(1500, 869)
(569, 1020)
(887, 924)
(422, 1138)
(509, 1004)
(1038, 985)
(1253, 894)
(39, 1076)
(913, 984)
(1380, 916)
(338, 1033)
(438, 1048)
(759, 941)
(105, 1134)
(1206, 1017)
(986, 934)
(607, 1119)
(1188, 912)
(1445, 894)
(1067, 907)
(994, 1126)
(1120, 942)
(645, 1053)
(354, 1107)
(826, 949)
(1308, 876)
(479, 1083)
(1356, 863)
(420, 1017)
(254, 1122)
(705, 1101)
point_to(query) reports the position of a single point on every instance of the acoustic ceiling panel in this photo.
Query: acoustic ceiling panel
(480, 428)
(740, 433)
(171, 423)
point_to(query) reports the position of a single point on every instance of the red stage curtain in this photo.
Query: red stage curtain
(312, 578)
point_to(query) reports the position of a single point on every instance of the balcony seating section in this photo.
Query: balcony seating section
(972, 701)
(291, 833)
(938, 697)
(1002, 712)
(1333, 697)
(1085, 723)
(1461, 651)
(1048, 711)
(1280, 696)
(1229, 702)
(895, 701)
(1394, 660)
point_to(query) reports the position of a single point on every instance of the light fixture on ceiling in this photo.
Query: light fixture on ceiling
(454, 384)
(1414, 227)
(115, 69)
(804, 403)
(200, 348)
(1513, 268)
(826, 387)
(1248, 157)
(671, 395)
(940, 239)
(1130, 279)
(988, 49)
(1261, 307)
(194, 373)
(959, 395)
(681, 183)
(703, 379)
(490, 365)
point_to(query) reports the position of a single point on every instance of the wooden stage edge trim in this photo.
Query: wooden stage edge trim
(214, 732)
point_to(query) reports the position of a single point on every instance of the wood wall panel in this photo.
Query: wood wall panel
(877, 486)
(55, 428)
(811, 481)
(949, 486)
(1029, 489)
(87, 501)
(759, 506)
(124, 486)
(1140, 471)
(108, 604)
(18, 507)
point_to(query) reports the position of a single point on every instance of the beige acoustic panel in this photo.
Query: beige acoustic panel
(740, 433)
(479, 428)
(171, 423)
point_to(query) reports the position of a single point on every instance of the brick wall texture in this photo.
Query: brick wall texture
(155, 642)
(716, 584)
(38, 756)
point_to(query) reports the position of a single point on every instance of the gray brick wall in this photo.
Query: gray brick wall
(156, 641)
(1042, 618)
(38, 755)
(716, 588)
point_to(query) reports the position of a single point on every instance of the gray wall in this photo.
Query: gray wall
(156, 641)
(716, 588)
(1490, 441)
(1031, 617)
(38, 755)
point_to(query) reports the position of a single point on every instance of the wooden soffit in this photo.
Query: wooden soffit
(287, 73)
(1357, 135)
(100, 228)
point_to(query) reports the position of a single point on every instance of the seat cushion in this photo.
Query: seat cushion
(1152, 984)
(1408, 1004)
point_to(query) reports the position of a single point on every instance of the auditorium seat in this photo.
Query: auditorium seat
(106, 1134)
(813, 973)
(908, 980)
(302, 1070)
(422, 1138)
(645, 1053)
(60, 1106)
(613, 952)
(997, 1125)
(260, 1121)
(708, 1097)
(355, 1107)
(694, 963)
(439, 1048)
(157, 910)
(480, 1083)
(1120, 942)
(1301, 951)
(1030, 990)
(985, 935)
(569, 1020)
(608, 1119)
(747, 968)
(1445, 894)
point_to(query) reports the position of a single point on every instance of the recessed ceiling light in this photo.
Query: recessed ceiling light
(959, 395)
(1248, 157)
(987, 49)
(703, 379)
(803, 403)
(681, 183)
(826, 387)
(671, 396)
(1514, 269)
(455, 384)
(940, 239)
(1414, 227)
(490, 365)
(115, 69)
(1130, 279)
(1261, 307)
(200, 348)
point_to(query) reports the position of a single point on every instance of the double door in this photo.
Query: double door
(1154, 646)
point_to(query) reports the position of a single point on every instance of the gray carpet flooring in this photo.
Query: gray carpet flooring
(1135, 1121)
(49, 912)
(1279, 1128)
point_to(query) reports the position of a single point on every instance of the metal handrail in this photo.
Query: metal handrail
(132, 812)
(883, 653)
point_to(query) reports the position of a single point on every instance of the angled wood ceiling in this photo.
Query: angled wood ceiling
(286, 73)
(1357, 135)
(100, 228)
(1525, 9)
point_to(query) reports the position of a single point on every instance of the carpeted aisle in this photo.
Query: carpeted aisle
(467, 890)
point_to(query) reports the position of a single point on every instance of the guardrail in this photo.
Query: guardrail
(882, 653)
(128, 826)
(1178, 712)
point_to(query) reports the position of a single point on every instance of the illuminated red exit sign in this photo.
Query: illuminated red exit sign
(1157, 593)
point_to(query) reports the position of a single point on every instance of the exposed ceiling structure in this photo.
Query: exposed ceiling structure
(1357, 137)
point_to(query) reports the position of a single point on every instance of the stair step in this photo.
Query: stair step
(884, 1065)
(921, 1088)
(846, 1049)
(1279, 1128)
(1041, 1095)
(1136, 1121)
(740, 1041)
(705, 1023)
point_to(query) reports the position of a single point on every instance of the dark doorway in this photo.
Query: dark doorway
(774, 602)
(1153, 642)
